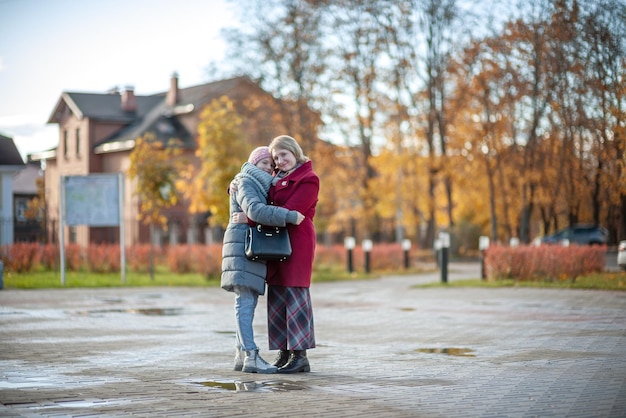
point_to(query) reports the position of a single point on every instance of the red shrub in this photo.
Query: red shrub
(21, 257)
(74, 257)
(138, 257)
(180, 259)
(383, 257)
(208, 259)
(387, 257)
(50, 257)
(547, 262)
(104, 258)
(326, 256)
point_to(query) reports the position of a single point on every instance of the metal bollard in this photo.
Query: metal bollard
(367, 247)
(444, 239)
(1, 275)
(406, 246)
(350, 243)
(483, 245)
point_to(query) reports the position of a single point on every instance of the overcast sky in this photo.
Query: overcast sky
(48, 47)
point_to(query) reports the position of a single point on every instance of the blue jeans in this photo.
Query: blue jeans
(245, 304)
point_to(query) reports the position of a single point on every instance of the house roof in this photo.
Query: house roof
(9, 155)
(25, 182)
(153, 114)
(100, 106)
(158, 121)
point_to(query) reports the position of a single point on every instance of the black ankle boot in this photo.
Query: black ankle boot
(298, 362)
(282, 358)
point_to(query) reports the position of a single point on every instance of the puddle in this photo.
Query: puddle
(157, 311)
(252, 386)
(146, 311)
(74, 403)
(4, 384)
(456, 352)
(110, 300)
(3, 312)
(79, 404)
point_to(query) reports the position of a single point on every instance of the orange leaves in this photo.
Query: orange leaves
(221, 151)
(155, 167)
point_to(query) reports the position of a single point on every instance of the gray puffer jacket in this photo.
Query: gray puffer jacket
(251, 198)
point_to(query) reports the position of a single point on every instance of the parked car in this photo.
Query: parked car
(621, 255)
(579, 234)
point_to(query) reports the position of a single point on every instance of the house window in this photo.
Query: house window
(21, 205)
(77, 142)
(65, 151)
(72, 234)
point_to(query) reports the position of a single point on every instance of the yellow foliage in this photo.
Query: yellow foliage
(221, 151)
(156, 168)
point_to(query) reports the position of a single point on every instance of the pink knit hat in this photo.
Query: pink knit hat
(258, 154)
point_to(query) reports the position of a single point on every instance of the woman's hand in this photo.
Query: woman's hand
(233, 186)
(239, 218)
(300, 218)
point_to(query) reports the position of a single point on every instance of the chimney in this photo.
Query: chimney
(129, 101)
(173, 94)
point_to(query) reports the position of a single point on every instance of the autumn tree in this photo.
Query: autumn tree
(281, 46)
(516, 126)
(437, 18)
(358, 51)
(36, 207)
(604, 47)
(221, 152)
(155, 168)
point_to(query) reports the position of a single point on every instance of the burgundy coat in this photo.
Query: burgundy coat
(297, 191)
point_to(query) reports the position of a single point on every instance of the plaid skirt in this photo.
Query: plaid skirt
(290, 318)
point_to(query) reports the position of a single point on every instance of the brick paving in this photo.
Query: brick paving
(385, 349)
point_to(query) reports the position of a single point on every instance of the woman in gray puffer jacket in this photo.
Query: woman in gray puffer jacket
(246, 278)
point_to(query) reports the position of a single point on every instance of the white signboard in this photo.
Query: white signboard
(92, 200)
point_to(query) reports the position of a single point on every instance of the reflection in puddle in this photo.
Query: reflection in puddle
(111, 300)
(238, 386)
(58, 404)
(145, 311)
(457, 352)
(157, 311)
(3, 312)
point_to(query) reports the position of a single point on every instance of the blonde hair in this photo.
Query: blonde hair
(288, 143)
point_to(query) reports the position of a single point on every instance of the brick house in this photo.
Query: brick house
(26, 227)
(97, 133)
(11, 164)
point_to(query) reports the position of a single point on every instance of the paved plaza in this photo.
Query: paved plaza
(386, 348)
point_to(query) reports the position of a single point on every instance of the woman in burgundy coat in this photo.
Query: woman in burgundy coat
(289, 309)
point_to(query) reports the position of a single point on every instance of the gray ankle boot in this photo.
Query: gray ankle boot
(254, 363)
(240, 355)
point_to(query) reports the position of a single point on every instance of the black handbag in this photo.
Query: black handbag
(267, 243)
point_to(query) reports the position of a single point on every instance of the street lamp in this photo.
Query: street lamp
(483, 244)
(406, 246)
(349, 243)
(367, 247)
(444, 241)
